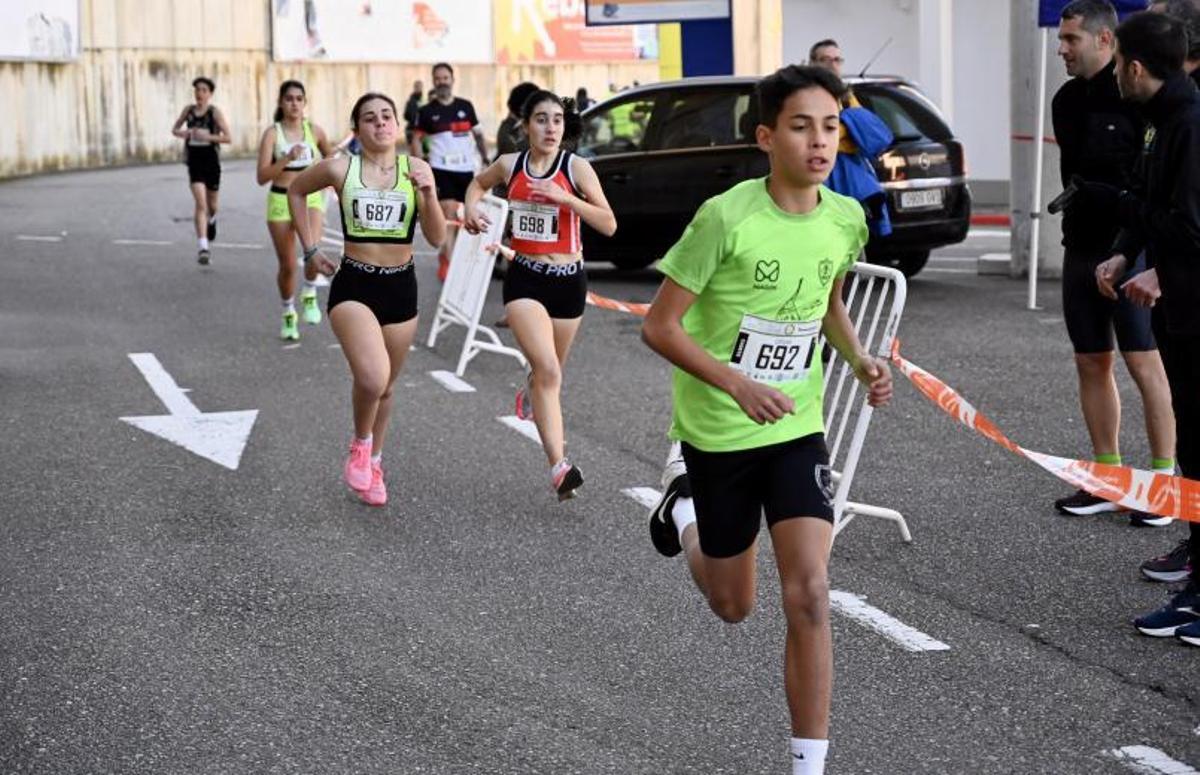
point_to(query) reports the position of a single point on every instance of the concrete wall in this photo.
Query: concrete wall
(117, 103)
(957, 51)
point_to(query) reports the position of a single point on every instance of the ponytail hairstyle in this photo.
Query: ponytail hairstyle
(572, 123)
(283, 90)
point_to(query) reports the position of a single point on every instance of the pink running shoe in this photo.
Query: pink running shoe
(524, 399)
(358, 465)
(376, 494)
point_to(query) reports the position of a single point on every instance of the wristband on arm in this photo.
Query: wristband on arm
(310, 252)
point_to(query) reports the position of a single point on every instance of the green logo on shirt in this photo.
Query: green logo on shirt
(825, 271)
(766, 275)
(789, 311)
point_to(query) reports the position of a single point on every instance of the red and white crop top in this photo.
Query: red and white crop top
(540, 226)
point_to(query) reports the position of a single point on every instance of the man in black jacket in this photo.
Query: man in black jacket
(1100, 136)
(1162, 216)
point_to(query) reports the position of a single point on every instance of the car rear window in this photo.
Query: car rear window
(906, 111)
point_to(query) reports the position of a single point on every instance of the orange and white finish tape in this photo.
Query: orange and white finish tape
(595, 299)
(1133, 488)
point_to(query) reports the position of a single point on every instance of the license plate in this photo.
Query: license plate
(915, 200)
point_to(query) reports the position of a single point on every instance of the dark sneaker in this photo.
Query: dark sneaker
(1083, 503)
(203, 257)
(567, 482)
(1165, 621)
(1171, 567)
(212, 229)
(1189, 633)
(1142, 519)
(676, 485)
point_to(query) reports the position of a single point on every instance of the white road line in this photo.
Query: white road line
(1150, 761)
(451, 382)
(142, 242)
(996, 257)
(237, 245)
(38, 238)
(335, 346)
(1006, 233)
(647, 496)
(886, 625)
(955, 259)
(948, 270)
(524, 427)
(292, 346)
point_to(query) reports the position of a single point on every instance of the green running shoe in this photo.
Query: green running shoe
(289, 330)
(312, 310)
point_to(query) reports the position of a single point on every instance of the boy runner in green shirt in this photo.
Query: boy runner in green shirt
(749, 287)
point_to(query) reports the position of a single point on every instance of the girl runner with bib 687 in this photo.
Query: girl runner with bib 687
(373, 298)
(545, 289)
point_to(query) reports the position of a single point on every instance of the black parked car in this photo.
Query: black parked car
(660, 150)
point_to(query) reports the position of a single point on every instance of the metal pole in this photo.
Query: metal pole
(1039, 152)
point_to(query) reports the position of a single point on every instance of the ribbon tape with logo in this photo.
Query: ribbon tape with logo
(1133, 488)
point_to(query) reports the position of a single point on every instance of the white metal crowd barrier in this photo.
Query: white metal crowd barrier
(874, 296)
(466, 287)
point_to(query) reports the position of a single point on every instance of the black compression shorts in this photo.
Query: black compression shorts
(560, 288)
(388, 291)
(733, 490)
(1092, 319)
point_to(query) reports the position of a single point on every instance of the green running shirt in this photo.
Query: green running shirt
(744, 256)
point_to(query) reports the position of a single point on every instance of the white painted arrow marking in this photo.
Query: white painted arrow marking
(216, 436)
(1151, 761)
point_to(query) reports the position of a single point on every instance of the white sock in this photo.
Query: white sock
(558, 468)
(683, 513)
(376, 459)
(364, 440)
(808, 756)
(289, 305)
(203, 242)
(310, 289)
(212, 218)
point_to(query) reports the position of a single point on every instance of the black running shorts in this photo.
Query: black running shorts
(388, 291)
(204, 166)
(452, 185)
(1091, 318)
(560, 288)
(733, 490)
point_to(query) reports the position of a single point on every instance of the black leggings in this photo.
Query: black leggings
(1181, 358)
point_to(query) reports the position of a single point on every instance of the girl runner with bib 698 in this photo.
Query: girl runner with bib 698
(545, 289)
(290, 145)
(373, 298)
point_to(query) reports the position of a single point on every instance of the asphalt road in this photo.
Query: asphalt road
(160, 613)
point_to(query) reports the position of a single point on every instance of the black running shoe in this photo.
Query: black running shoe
(1083, 503)
(1142, 519)
(203, 258)
(568, 482)
(1175, 565)
(676, 485)
(212, 229)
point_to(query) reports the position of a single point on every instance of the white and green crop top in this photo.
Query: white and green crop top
(373, 215)
(309, 152)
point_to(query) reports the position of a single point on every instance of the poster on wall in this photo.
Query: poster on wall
(556, 31)
(457, 31)
(656, 11)
(40, 30)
